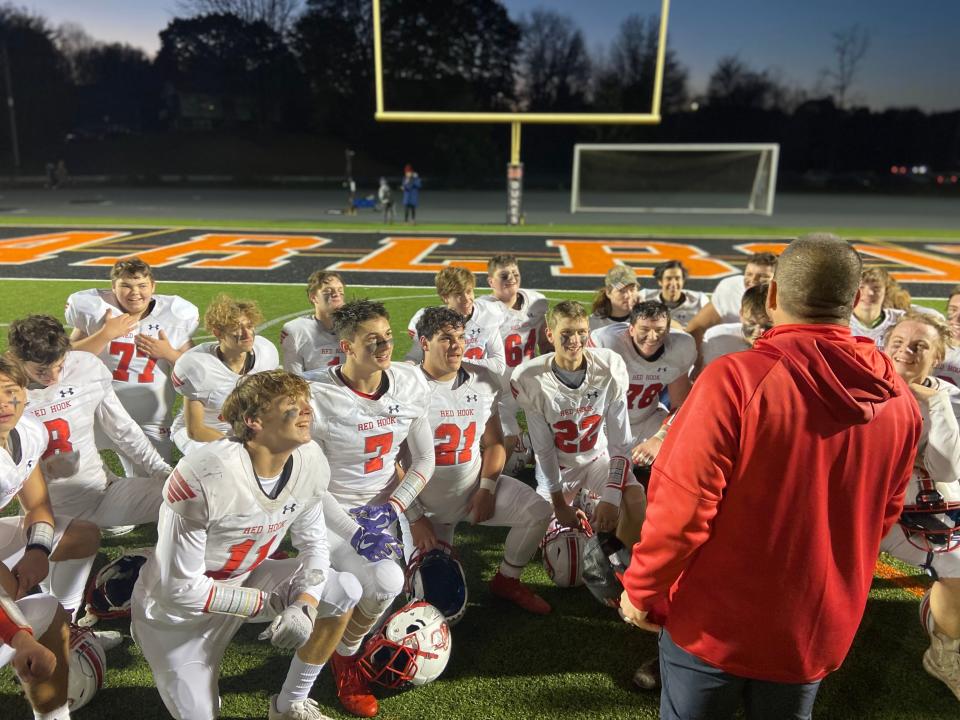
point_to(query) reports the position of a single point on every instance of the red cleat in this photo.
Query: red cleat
(519, 594)
(352, 688)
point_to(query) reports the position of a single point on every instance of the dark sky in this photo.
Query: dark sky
(912, 60)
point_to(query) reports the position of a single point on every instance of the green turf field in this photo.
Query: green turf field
(574, 663)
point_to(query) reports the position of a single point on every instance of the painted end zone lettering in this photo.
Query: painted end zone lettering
(34, 248)
(591, 258)
(242, 251)
(406, 255)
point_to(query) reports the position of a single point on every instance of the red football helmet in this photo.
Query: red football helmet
(412, 648)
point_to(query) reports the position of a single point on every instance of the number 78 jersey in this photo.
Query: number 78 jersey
(361, 435)
(577, 416)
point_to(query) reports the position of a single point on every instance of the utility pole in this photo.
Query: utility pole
(14, 143)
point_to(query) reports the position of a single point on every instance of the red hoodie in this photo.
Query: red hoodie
(782, 471)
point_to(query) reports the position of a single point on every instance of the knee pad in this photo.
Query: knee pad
(39, 610)
(341, 593)
(384, 583)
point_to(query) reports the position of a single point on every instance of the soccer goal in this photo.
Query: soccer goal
(678, 178)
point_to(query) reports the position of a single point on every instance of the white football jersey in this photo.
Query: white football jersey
(308, 345)
(722, 340)
(690, 304)
(890, 318)
(459, 411)
(25, 444)
(482, 335)
(200, 375)
(575, 415)
(361, 435)
(601, 321)
(520, 328)
(142, 383)
(647, 378)
(938, 449)
(69, 410)
(216, 489)
(727, 297)
(949, 369)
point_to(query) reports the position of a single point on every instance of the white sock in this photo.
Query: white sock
(510, 571)
(67, 581)
(300, 679)
(61, 713)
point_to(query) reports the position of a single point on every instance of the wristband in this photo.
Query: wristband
(233, 600)
(40, 536)
(489, 484)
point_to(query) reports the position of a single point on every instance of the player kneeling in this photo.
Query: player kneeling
(574, 400)
(468, 444)
(227, 506)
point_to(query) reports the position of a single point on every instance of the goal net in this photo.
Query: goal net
(679, 178)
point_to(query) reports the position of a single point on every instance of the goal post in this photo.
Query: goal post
(724, 178)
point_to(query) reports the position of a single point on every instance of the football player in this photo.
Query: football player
(727, 338)
(614, 300)
(455, 286)
(468, 443)
(916, 344)
(226, 507)
(657, 359)
(671, 277)
(949, 369)
(363, 411)
(523, 330)
(207, 373)
(309, 343)
(34, 639)
(30, 541)
(724, 305)
(138, 335)
(70, 392)
(574, 400)
(875, 312)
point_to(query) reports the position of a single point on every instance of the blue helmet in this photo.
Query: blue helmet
(438, 578)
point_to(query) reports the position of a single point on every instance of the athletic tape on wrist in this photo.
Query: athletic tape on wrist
(489, 484)
(40, 535)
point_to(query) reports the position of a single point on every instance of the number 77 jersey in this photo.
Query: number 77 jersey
(361, 434)
(580, 418)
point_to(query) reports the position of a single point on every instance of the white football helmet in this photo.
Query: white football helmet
(412, 648)
(88, 663)
(562, 549)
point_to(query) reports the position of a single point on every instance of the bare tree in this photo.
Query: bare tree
(72, 40)
(849, 47)
(554, 65)
(278, 14)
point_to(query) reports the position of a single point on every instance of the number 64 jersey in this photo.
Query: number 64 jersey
(572, 427)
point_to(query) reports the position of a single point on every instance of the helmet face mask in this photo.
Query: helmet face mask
(438, 578)
(931, 523)
(412, 648)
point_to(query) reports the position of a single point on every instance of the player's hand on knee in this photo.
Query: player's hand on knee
(30, 570)
(291, 628)
(375, 518)
(423, 535)
(374, 546)
(31, 661)
(481, 506)
(605, 517)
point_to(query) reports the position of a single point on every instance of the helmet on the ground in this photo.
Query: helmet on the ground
(562, 549)
(112, 589)
(411, 648)
(438, 578)
(88, 663)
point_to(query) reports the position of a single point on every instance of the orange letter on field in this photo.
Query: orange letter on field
(405, 254)
(589, 258)
(751, 248)
(242, 251)
(34, 248)
(934, 269)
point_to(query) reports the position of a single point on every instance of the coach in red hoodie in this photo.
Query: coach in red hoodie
(782, 471)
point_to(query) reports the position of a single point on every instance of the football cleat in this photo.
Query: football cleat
(412, 648)
(522, 596)
(116, 531)
(300, 710)
(438, 578)
(647, 676)
(353, 690)
(942, 661)
(87, 664)
(520, 457)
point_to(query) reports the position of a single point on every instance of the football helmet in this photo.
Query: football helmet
(438, 578)
(411, 648)
(605, 559)
(931, 522)
(88, 663)
(109, 595)
(562, 549)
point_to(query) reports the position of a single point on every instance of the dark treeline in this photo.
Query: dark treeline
(259, 95)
